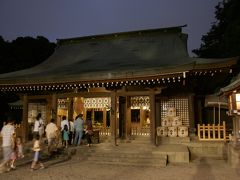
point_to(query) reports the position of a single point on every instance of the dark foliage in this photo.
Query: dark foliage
(223, 39)
(24, 52)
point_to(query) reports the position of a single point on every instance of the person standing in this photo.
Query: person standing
(38, 128)
(20, 153)
(71, 131)
(78, 128)
(7, 134)
(66, 135)
(63, 123)
(89, 132)
(13, 156)
(41, 125)
(17, 151)
(51, 133)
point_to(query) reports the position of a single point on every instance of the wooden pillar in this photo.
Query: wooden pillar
(236, 129)
(152, 117)
(158, 114)
(191, 113)
(199, 110)
(54, 109)
(128, 117)
(48, 111)
(104, 117)
(214, 115)
(70, 108)
(92, 115)
(234, 119)
(142, 117)
(85, 114)
(24, 124)
(113, 117)
(219, 113)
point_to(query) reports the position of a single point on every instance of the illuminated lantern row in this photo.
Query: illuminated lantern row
(159, 79)
(87, 85)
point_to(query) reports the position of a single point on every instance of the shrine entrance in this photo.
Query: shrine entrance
(134, 117)
(132, 114)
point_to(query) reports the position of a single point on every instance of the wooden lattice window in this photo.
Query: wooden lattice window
(181, 105)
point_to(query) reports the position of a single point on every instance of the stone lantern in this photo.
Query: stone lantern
(234, 111)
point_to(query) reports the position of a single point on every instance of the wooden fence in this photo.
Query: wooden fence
(137, 131)
(212, 132)
(104, 131)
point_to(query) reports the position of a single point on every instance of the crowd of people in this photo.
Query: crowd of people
(70, 133)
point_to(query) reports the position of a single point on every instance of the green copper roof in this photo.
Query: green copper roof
(111, 56)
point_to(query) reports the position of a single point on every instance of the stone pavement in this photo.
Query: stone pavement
(78, 168)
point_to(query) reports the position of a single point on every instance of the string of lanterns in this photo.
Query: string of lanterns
(87, 85)
(155, 80)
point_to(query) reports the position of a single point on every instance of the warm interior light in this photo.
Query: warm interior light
(238, 101)
(237, 97)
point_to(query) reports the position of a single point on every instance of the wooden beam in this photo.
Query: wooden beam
(153, 116)
(24, 124)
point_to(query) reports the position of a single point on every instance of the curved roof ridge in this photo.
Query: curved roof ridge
(115, 34)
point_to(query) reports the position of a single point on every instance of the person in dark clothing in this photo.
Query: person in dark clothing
(89, 132)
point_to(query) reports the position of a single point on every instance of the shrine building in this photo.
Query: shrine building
(128, 83)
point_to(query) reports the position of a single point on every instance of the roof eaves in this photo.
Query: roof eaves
(215, 63)
(102, 76)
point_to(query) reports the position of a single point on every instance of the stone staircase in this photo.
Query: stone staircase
(136, 152)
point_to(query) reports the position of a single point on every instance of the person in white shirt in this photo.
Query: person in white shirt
(7, 134)
(71, 132)
(51, 134)
(38, 128)
(42, 125)
(63, 122)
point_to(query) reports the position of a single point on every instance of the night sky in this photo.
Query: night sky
(59, 19)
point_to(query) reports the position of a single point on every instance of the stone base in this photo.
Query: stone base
(211, 149)
(172, 140)
(233, 155)
(176, 153)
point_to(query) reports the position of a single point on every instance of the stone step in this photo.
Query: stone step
(157, 162)
(129, 154)
(137, 153)
(125, 155)
(157, 165)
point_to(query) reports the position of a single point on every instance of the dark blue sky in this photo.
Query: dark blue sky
(59, 19)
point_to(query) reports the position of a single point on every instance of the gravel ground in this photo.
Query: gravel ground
(71, 169)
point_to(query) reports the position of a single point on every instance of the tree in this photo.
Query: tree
(223, 39)
(24, 52)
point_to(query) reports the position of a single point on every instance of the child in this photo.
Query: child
(13, 156)
(66, 135)
(19, 147)
(36, 149)
(17, 151)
